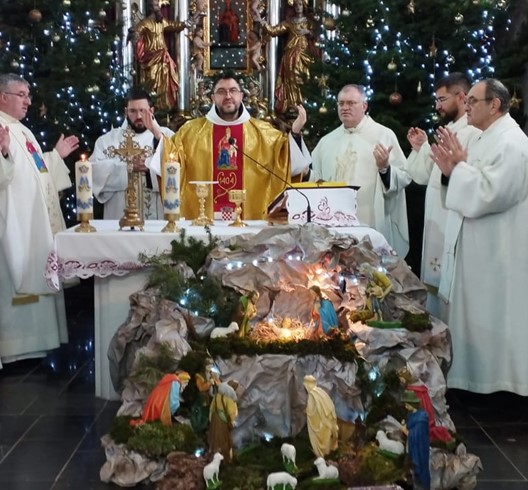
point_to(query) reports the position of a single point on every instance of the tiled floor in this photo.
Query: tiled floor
(51, 423)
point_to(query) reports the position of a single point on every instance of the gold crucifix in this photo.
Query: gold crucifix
(129, 150)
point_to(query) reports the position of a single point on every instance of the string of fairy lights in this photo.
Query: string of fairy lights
(475, 36)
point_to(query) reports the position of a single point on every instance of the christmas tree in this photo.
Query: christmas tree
(397, 49)
(70, 53)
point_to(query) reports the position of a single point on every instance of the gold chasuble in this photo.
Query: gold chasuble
(205, 154)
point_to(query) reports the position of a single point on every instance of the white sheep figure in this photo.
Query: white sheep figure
(210, 471)
(280, 478)
(326, 471)
(389, 445)
(288, 453)
(219, 332)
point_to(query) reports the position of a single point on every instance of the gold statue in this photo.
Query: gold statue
(158, 70)
(321, 418)
(299, 54)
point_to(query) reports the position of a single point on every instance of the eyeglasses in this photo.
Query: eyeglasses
(222, 92)
(21, 95)
(471, 101)
(348, 103)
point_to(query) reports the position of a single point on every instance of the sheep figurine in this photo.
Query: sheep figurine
(280, 478)
(288, 454)
(220, 332)
(210, 471)
(326, 472)
(386, 444)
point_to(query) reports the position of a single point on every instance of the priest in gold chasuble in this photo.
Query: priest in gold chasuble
(224, 147)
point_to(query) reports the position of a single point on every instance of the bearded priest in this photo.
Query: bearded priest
(232, 148)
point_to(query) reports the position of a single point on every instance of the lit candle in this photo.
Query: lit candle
(83, 186)
(171, 183)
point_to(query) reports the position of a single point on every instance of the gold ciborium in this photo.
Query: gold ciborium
(237, 197)
(202, 191)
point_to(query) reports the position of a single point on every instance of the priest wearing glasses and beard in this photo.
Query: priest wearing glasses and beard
(195, 146)
(109, 166)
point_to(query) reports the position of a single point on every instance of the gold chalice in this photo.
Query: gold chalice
(237, 197)
(202, 191)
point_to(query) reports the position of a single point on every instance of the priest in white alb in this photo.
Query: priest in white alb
(362, 152)
(32, 318)
(237, 151)
(485, 264)
(450, 94)
(131, 142)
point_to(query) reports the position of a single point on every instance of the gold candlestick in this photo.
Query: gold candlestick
(237, 197)
(202, 191)
(85, 226)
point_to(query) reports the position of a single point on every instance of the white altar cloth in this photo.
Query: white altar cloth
(111, 257)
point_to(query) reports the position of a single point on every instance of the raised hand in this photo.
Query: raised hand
(66, 145)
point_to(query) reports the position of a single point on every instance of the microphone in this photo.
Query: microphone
(232, 142)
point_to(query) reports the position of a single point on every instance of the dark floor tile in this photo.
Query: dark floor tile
(32, 461)
(461, 418)
(100, 427)
(502, 485)
(513, 441)
(60, 427)
(12, 427)
(14, 372)
(25, 485)
(15, 400)
(475, 438)
(496, 465)
(69, 404)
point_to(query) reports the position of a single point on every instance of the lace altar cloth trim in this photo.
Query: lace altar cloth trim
(68, 269)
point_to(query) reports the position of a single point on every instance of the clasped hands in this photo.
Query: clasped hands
(447, 151)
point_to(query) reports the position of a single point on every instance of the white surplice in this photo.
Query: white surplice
(110, 175)
(346, 155)
(30, 215)
(423, 171)
(485, 263)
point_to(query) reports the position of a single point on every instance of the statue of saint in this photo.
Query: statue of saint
(164, 400)
(321, 418)
(223, 412)
(298, 55)
(158, 70)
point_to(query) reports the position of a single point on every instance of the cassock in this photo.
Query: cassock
(32, 319)
(346, 155)
(110, 175)
(203, 149)
(420, 166)
(485, 264)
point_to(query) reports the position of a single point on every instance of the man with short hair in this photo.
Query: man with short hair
(197, 147)
(109, 167)
(450, 93)
(363, 152)
(32, 319)
(485, 263)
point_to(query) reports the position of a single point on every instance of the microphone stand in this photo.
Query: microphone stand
(284, 181)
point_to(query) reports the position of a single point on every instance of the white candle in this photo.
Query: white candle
(83, 186)
(171, 183)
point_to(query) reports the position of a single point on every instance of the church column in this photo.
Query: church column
(181, 12)
(124, 15)
(273, 19)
